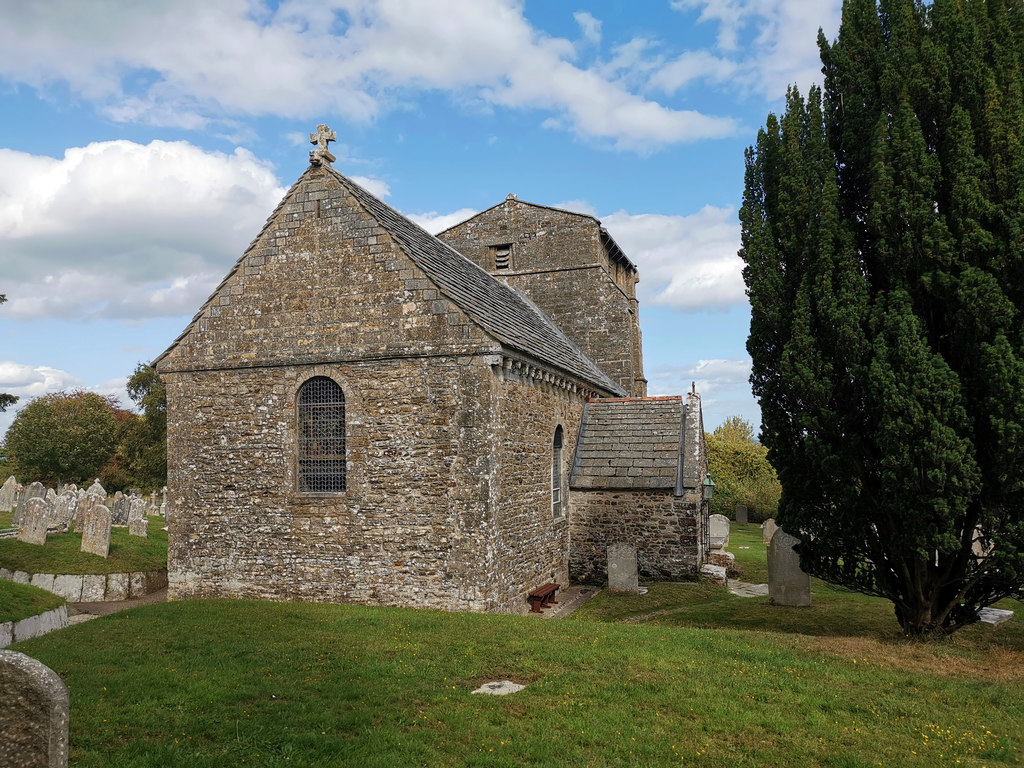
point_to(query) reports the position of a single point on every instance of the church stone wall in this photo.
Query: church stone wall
(410, 528)
(664, 528)
(559, 260)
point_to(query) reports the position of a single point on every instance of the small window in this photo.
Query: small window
(557, 497)
(321, 421)
(502, 256)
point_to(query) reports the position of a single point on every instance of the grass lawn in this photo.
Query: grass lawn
(61, 553)
(671, 678)
(19, 601)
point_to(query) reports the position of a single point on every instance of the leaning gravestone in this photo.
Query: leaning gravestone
(119, 511)
(787, 584)
(768, 529)
(96, 531)
(34, 710)
(718, 527)
(33, 491)
(138, 526)
(33, 522)
(741, 514)
(622, 575)
(8, 494)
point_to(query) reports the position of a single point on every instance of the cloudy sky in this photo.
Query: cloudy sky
(144, 144)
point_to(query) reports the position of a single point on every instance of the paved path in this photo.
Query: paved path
(79, 612)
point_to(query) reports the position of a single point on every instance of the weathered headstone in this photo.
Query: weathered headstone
(787, 584)
(718, 528)
(138, 527)
(137, 508)
(622, 571)
(741, 514)
(119, 511)
(768, 529)
(63, 511)
(85, 503)
(34, 709)
(8, 494)
(32, 491)
(33, 522)
(97, 490)
(96, 531)
(51, 495)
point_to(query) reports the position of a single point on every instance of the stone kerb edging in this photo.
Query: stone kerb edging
(33, 626)
(93, 588)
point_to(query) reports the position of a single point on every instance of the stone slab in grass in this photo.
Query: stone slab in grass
(499, 688)
(994, 616)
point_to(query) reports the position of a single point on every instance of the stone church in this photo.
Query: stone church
(365, 413)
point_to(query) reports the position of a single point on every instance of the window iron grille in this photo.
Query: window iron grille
(321, 422)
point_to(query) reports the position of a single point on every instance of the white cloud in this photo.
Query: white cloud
(765, 45)
(722, 384)
(118, 229)
(435, 222)
(589, 26)
(688, 262)
(189, 63)
(373, 186)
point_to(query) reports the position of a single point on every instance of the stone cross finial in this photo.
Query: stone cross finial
(321, 138)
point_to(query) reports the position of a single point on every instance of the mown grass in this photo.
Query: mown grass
(232, 683)
(61, 553)
(19, 601)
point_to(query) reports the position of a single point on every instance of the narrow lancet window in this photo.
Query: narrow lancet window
(556, 475)
(321, 421)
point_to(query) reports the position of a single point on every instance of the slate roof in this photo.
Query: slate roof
(631, 443)
(501, 311)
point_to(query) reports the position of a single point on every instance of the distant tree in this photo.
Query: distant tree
(883, 235)
(741, 471)
(6, 400)
(143, 440)
(63, 437)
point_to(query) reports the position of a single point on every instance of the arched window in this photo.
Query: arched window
(321, 406)
(556, 475)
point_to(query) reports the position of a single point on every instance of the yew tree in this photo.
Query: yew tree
(883, 237)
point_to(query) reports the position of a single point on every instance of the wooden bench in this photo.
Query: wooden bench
(543, 596)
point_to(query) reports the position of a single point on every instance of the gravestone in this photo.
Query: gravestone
(34, 709)
(63, 512)
(33, 523)
(119, 511)
(9, 494)
(97, 490)
(51, 495)
(138, 526)
(718, 529)
(32, 491)
(768, 529)
(137, 508)
(787, 584)
(96, 531)
(622, 571)
(85, 503)
(741, 514)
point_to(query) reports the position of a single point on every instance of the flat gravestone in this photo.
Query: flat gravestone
(787, 584)
(8, 494)
(33, 522)
(34, 710)
(718, 526)
(622, 574)
(96, 531)
(33, 491)
(138, 527)
(741, 514)
(768, 529)
(499, 688)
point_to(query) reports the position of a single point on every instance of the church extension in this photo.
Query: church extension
(365, 413)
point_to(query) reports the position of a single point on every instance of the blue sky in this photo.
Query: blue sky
(144, 144)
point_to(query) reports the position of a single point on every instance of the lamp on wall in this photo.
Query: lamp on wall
(707, 488)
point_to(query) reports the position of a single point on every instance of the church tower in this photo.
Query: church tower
(572, 269)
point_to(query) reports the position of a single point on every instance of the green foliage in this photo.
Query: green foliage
(883, 235)
(142, 440)
(739, 466)
(63, 437)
